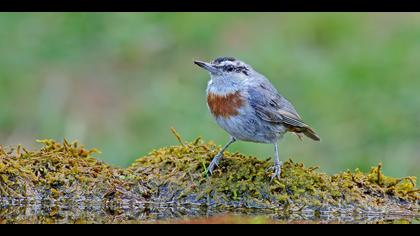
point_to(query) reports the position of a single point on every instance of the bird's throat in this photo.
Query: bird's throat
(226, 105)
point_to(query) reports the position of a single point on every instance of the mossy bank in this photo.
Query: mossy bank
(176, 175)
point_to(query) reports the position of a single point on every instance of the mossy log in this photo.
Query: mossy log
(176, 175)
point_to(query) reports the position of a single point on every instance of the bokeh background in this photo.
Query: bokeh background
(119, 81)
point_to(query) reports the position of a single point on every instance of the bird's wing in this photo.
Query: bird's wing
(272, 107)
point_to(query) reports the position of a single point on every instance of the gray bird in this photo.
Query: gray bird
(247, 106)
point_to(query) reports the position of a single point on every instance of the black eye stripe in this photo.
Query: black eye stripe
(239, 69)
(231, 68)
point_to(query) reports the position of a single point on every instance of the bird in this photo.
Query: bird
(249, 108)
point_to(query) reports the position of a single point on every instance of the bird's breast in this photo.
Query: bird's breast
(226, 105)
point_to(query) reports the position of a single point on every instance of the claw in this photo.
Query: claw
(214, 163)
(276, 172)
(216, 159)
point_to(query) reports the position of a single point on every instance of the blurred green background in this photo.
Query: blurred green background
(119, 81)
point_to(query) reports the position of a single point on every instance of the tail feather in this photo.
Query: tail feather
(310, 133)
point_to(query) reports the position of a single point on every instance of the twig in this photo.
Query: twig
(2, 152)
(18, 151)
(313, 168)
(197, 140)
(178, 137)
(414, 191)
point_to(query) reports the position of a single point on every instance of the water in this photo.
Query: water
(87, 212)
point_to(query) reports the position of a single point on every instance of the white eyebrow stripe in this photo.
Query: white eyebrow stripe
(225, 63)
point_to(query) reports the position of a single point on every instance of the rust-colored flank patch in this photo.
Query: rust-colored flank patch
(225, 105)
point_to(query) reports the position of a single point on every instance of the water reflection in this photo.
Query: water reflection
(85, 212)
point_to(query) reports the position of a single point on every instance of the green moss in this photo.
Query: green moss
(55, 171)
(244, 181)
(177, 174)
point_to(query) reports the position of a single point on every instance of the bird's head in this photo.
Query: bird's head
(226, 69)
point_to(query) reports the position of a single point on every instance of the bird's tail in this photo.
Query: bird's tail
(310, 133)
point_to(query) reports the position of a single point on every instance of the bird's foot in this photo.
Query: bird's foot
(214, 163)
(276, 171)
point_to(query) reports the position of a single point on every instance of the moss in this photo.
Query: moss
(243, 181)
(55, 171)
(177, 174)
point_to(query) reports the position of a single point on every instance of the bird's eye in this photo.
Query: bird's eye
(229, 68)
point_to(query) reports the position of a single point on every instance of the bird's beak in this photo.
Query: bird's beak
(207, 66)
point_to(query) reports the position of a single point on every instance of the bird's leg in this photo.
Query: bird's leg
(277, 164)
(216, 159)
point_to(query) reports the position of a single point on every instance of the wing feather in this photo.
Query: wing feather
(272, 107)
